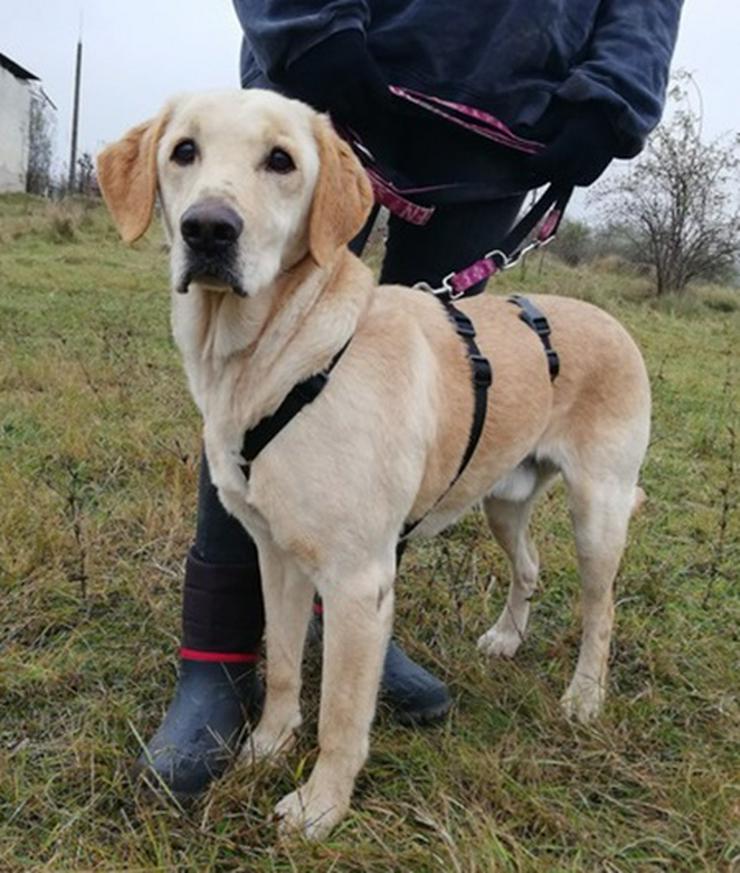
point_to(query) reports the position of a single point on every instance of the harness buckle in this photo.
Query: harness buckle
(539, 324)
(482, 371)
(553, 363)
(463, 325)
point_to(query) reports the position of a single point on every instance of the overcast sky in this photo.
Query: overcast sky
(139, 52)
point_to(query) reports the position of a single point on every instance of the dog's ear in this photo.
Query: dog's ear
(343, 196)
(127, 174)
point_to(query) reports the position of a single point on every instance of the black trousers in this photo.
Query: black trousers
(453, 238)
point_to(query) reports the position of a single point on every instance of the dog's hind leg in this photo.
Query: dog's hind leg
(508, 520)
(288, 598)
(358, 612)
(600, 509)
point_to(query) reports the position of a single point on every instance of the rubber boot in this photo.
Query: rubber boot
(413, 694)
(204, 725)
(218, 691)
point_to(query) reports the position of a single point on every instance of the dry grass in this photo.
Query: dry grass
(98, 462)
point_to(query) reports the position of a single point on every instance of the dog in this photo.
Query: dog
(259, 198)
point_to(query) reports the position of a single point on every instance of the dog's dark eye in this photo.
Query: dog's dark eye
(184, 152)
(279, 161)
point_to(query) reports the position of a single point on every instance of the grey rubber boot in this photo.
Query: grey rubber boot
(204, 725)
(413, 694)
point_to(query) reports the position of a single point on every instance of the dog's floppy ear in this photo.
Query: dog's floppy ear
(127, 174)
(343, 196)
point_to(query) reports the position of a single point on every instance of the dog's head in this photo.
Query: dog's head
(250, 183)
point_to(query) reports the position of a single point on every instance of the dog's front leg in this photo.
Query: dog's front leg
(288, 595)
(358, 613)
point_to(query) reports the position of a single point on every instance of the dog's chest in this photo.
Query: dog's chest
(223, 436)
(228, 476)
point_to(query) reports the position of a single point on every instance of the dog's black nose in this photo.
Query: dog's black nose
(211, 227)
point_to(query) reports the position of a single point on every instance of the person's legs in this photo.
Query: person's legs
(222, 626)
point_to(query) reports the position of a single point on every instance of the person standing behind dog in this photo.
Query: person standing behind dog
(585, 77)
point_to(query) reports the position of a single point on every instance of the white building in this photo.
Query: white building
(15, 113)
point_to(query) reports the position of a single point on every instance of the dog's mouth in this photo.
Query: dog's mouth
(211, 276)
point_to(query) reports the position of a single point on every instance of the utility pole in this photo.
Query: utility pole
(75, 114)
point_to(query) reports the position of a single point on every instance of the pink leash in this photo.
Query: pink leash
(547, 212)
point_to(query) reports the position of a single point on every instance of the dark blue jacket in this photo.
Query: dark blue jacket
(506, 56)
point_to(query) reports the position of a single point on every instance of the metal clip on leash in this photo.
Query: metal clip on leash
(548, 210)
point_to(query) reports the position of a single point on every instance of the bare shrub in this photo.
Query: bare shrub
(677, 204)
(574, 243)
(40, 144)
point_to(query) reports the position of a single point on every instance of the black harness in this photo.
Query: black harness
(535, 318)
(482, 376)
(482, 373)
(305, 392)
(300, 395)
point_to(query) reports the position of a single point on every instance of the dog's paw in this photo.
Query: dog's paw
(310, 813)
(583, 699)
(500, 642)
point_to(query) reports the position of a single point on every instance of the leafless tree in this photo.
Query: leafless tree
(40, 144)
(86, 179)
(678, 203)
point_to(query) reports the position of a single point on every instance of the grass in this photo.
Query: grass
(99, 446)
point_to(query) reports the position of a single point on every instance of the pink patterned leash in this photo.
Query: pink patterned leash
(471, 118)
(547, 212)
(388, 195)
(397, 200)
(394, 198)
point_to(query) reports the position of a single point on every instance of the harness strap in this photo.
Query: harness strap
(257, 437)
(482, 380)
(482, 375)
(535, 318)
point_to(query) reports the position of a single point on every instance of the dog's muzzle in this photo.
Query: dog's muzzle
(211, 230)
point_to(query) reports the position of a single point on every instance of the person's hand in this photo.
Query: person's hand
(579, 153)
(340, 77)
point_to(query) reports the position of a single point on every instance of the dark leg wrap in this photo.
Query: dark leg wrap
(222, 611)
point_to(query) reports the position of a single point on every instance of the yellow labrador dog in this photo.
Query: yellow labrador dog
(259, 198)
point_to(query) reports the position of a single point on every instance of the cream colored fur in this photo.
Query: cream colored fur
(327, 498)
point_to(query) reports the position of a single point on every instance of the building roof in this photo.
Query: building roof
(16, 69)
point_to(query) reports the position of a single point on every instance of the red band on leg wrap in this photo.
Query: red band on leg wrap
(222, 657)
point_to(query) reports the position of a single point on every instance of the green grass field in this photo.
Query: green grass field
(99, 447)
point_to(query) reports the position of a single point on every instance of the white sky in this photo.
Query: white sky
(140, 52)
